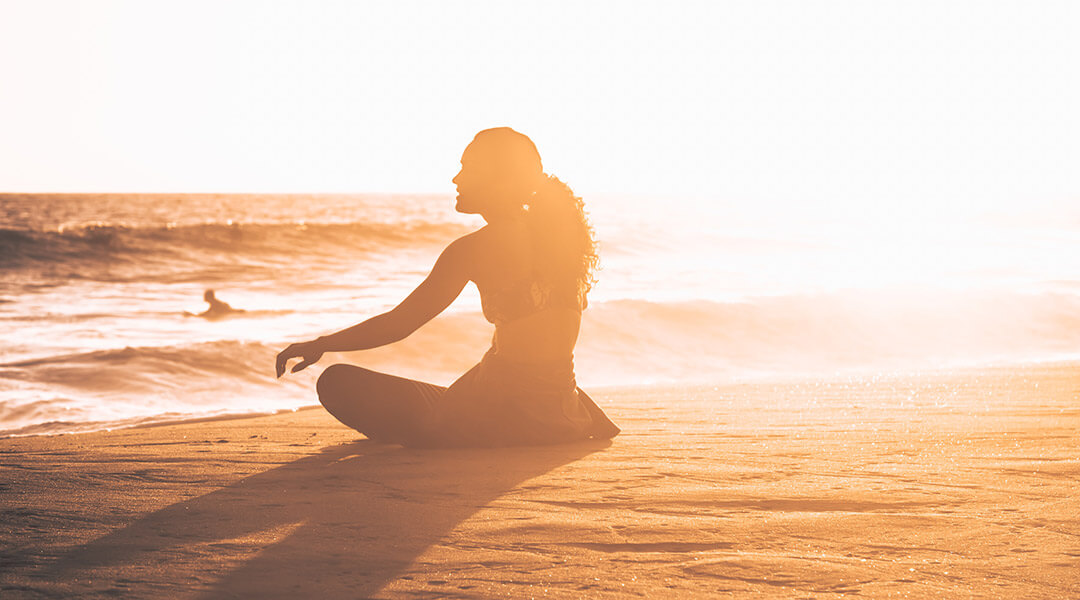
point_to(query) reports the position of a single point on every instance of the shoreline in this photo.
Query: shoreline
(855, 373)
(922, 487)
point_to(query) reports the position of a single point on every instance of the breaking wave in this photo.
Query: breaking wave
(95, 251)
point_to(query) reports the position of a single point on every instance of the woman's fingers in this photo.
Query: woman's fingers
(293, 351)
(300, 366)
(283, 358)
(309, 359)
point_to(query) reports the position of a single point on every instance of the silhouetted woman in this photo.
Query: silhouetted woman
(533, 263)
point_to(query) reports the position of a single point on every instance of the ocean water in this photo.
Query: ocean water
(93, 291)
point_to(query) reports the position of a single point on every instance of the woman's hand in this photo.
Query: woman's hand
(310, 352)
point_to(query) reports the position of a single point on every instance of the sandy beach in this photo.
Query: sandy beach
(936, 485)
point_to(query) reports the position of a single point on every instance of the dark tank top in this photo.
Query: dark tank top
(526, 297)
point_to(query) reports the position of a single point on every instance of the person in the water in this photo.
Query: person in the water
(533, 264)
(217, 308)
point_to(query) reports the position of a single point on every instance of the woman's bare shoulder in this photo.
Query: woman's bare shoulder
(481, 239)
(467, 249)
(482, 253)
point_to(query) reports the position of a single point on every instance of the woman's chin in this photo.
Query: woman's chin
(464, 207)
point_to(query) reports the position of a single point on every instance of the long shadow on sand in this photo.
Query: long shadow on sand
(342, 523)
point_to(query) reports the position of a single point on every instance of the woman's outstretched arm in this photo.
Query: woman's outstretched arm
(441, 287)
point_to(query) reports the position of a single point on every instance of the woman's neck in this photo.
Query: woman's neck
(504, 215)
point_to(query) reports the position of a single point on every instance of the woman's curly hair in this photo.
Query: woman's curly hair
(563, 235)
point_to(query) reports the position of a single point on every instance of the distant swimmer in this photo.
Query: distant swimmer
(217, 308)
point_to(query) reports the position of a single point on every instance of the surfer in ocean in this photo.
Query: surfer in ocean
(217, 308)
(533, 264)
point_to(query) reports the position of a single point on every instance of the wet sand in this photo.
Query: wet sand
(921, 486)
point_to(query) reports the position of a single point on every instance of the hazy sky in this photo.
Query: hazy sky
(901, 106)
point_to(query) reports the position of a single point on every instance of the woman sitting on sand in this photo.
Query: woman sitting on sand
(533, 264)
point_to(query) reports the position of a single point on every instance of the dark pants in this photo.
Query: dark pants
(383, 407)
(494, 404)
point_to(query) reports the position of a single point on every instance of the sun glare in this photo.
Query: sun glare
(601, 298)
(844, 108)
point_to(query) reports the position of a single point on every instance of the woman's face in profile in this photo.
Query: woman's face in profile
(474, 183)
(486, 182)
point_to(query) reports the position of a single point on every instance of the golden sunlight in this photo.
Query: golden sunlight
(561, 298)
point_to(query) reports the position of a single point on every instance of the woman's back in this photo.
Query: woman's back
(535, 321)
